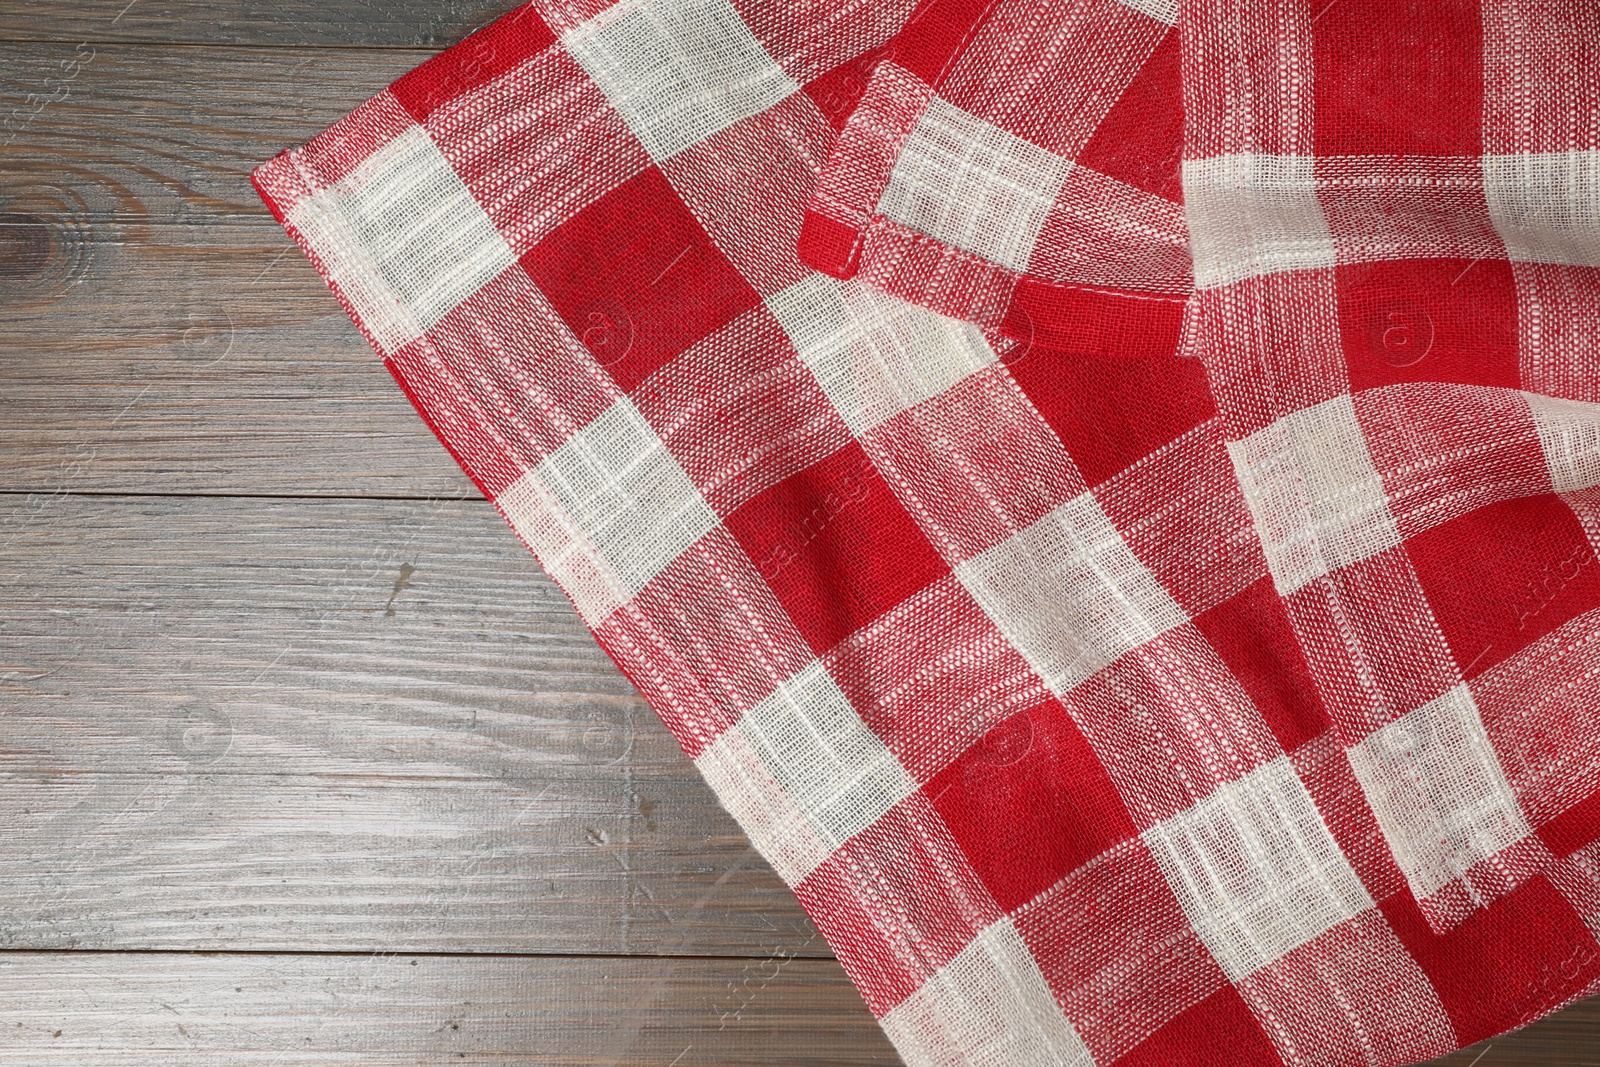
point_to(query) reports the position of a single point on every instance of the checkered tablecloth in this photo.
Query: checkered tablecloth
(1106, 491)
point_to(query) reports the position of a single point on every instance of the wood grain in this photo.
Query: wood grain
(249, 724)
(133, 1010)
(134, 132)
(287, 23)
(163, 333)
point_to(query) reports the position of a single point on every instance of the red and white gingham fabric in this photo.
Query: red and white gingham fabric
(1102, 704)
(1016, 163)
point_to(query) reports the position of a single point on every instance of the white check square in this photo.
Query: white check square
(1316, 497)
(404, 238)
(1070, 594)
(678, 71)
(873, 355)
(1569, 433)
(1252, 214)
(831, 766)
(1161, 10)
(990, 1006)
(1256, 869)
(1438, 791)
(1546, 205)
(973, 185)
(608, 510)
(744, 784)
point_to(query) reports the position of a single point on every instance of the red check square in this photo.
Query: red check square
(1030, 803)
(1545, 574)
(637, 279)
(1113, 411)
(1487, 989)
(1436, 320)
(1403, 77)
(835, 546)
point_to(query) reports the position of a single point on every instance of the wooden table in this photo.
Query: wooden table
(302, 758)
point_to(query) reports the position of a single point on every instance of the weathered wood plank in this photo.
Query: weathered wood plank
(129, 1010)
(236, 723)
(555, 864)
(162, 332)
(296, 23)
(126, 133)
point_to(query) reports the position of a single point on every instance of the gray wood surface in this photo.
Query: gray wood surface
(302, 759)
(162, 334)
(366, 725)
(290, 23)
(388, 1010)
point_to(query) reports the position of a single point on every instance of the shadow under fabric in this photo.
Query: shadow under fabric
(1104, 490)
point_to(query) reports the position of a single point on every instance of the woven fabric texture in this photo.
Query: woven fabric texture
(1106, 491)
(1016, 163)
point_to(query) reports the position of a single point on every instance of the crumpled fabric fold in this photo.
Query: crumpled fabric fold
(1105, 491)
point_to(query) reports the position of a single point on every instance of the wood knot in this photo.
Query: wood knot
(25, 242)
